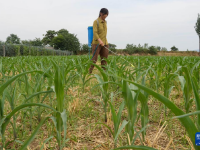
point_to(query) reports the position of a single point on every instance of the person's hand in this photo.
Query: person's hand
(100, 42)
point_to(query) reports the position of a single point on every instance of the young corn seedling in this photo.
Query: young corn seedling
(144, 112)
(168, 88)
(103, 83)
(5, 119)
(186, 121)
(11, 100)
(187, 90)
(116, 120)
(60, 119)
(82, 71)
(130, 98)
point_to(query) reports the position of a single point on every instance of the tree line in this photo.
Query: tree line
(61, 40)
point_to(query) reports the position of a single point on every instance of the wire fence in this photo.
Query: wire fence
(9, 50)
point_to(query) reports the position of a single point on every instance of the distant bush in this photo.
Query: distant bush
(163, 49)
(133, 49)
(84, 48)
(152, 50)
(173, 48)
(112, 47)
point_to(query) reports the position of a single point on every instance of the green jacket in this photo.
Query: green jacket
(100, 32)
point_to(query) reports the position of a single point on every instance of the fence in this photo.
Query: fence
(27, 50)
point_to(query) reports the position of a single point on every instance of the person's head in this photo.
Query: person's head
(103, 13)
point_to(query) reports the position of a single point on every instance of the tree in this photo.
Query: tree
(152, 50)
(62, 40)
(173, 48)
(13, 39)
(48, 37)
(85, 48)
(66, 41)
(1, 42)
(63, 31)
(139, 46)
(59, 42)
(25, 42)
(71, 43)
(158, 48)
(163, 49)
(112, 46)
(197, 29)
(36, 42)
(130, 46)
(146, 45)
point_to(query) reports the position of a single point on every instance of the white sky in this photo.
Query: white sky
(157, 22)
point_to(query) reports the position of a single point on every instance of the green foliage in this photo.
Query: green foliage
(116, 117)
(36, 42)
(63, 32)
(59, 42)
(112, 47)
(152, 50)
(130, 98)
(139, 46)
(173, 48)
(163, 49)
(125, 91)
(131, 49)
(145, 49)
(197, 26)
(158, 48)
(197, 29)
(62, 40)
(1, 42)
(103, 83)
(84, 48)
(25, 42)
(146, 45)
(13, 39)
(48, 37)
(71, 43)
(26, 50)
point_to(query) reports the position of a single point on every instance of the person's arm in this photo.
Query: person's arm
(100, 42)
(95, 33)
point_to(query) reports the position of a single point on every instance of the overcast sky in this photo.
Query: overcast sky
(157, 22)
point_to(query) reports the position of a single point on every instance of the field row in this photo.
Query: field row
(138, 102)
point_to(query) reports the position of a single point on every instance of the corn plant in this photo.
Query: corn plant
(135, 147)
(11, 100)
(167, 87)
(82, 71)
(187, 90)
(116, 121)
(130, 98)
(186, 121)
(144, 112)
(60, 117)
(5, 119)
(103, 83)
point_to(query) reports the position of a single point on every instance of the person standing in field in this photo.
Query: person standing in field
(99, 37)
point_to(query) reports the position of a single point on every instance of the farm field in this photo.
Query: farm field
(51, 102)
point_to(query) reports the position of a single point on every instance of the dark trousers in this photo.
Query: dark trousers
(103, 54)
